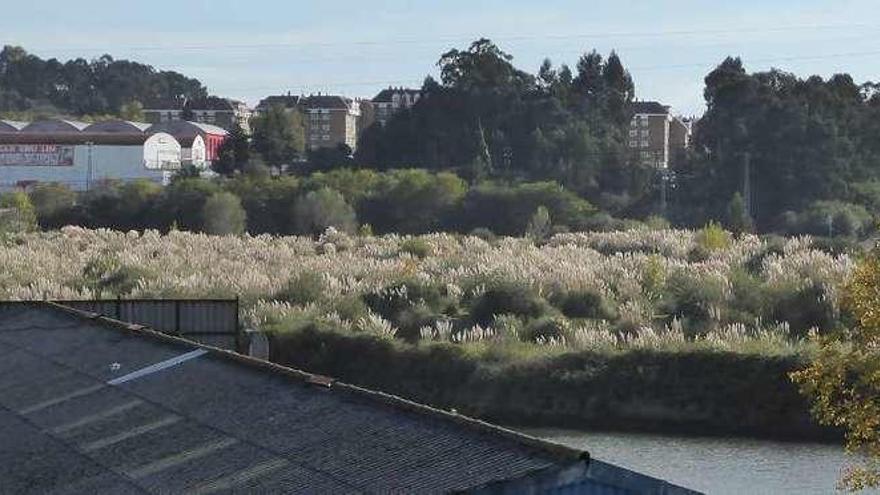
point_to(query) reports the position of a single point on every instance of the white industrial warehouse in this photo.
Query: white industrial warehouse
(80, 155)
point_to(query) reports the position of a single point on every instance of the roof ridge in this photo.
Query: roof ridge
(561, 452)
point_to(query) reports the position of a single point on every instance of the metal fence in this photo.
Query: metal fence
(209, 321)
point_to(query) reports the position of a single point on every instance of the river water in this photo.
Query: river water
(715, 465)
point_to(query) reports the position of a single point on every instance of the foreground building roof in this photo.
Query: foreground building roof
(92, 405)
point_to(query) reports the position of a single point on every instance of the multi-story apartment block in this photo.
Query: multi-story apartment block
(330, 120)
(655, 134)
(213, 110)
(392, 100)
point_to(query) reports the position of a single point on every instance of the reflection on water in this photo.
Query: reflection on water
(715, 465)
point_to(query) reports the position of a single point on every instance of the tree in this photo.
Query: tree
(223, 215)
(843, 380)
(481, 165)
(539, 224)
(53, 204)
(132, 111)
(324, 208)
(233, 154)
(279, 136)
(738, 219)
(17, 213)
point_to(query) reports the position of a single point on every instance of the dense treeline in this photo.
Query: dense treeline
(804, 152)
(487, 118)
(405, 201)
(30, 85)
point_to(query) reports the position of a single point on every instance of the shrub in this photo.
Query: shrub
(319, 210)
(351, 308)
(539, 225)
(804, 309)
(773, 245)
(390, 301)
(693, 300)
(418, 248)
(542, 329)
(585, 304)
(304, 288)
(508, 298)
(713, 237)
(223, 215)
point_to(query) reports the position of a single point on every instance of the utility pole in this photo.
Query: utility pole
(89, 172)
(747, 183)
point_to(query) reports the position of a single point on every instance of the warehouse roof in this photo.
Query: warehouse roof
(11, 125)
(182, 128)
(54, 126)
(79, 138)
(117, 408)
(118, 126)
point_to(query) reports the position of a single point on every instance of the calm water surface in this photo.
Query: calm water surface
(715, 465)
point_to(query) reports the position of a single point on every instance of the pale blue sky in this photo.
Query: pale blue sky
(249, 49)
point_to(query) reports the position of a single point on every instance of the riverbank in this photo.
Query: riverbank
(690, 392)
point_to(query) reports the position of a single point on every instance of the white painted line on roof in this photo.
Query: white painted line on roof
(153, 368)
(179, 458)
(134, 432)
(58, 400)
(92, 418)
(229, 482)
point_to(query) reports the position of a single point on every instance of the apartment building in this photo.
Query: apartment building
(330, 120)
(221, 112)
(392, 100)
(655, 134)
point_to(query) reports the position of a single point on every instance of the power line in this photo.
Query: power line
(421, 40)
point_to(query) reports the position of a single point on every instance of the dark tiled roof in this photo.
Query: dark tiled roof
(385, 95)
(198, 104)
(287, 101)
(651, 107)
(76, 138)
(327, 101)
(91, 405)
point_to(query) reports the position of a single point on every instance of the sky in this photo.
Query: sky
(251, 49)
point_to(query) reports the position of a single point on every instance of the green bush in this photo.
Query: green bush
(584, 304)
(542, 329)
(713, 237)
(507, 298)
(804, 309)
(692, 300)
(304, 288)
(416, 247)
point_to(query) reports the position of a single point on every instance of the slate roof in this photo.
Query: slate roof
(118, 126)
(209, 103)
(385, 95)
(286, 101)
(181, 129)
(91, 405)
(327, 101)
(649, 107)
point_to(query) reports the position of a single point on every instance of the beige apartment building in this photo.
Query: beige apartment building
(330, 120)
(392, 100)
(655, 134)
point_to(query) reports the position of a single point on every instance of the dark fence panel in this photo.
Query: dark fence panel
(209, 321)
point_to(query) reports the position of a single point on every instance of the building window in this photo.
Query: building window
(633, 144)
(326, 137)
(633, 133)
(325, 127)
(644, 143)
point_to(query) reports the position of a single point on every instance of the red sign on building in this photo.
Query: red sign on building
(35, 155)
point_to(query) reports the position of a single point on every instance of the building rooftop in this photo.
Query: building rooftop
(649, 107)
(92, 405)
(385, 95)
(76, 138)
(286, 101)
(11, 125)
(327, 101)
(198, 104)
(118, 126)
(181, 128)
(54, 126)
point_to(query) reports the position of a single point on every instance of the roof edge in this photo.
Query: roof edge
(559, 451)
